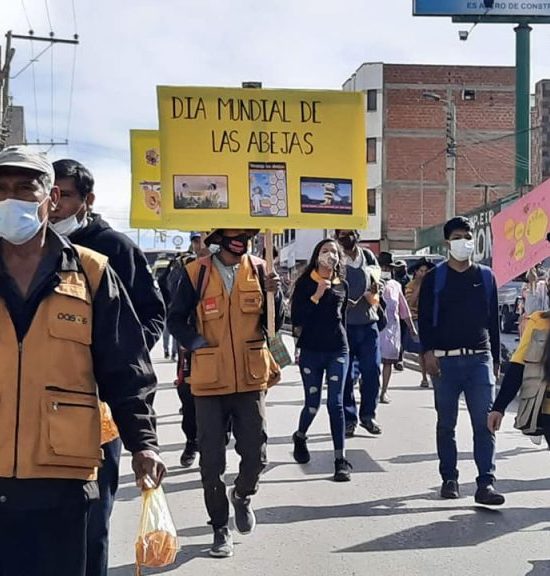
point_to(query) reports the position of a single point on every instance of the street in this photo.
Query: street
(387, 521)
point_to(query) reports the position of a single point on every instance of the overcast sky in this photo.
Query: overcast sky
(130, 46)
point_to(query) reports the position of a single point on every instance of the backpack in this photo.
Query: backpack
(441, 279)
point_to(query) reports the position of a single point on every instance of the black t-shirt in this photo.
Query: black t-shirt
(466, 319)
(322, 325)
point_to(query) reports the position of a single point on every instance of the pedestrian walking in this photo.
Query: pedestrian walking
(397, 310)
(412, 294)
(401, 274)
(74, 218)
(459, 331)
(219, 313)
(170, 352)
(362, 275)
(318, 315)
(529, 375)
(69, 336)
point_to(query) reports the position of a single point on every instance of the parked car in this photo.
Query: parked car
(509, 304)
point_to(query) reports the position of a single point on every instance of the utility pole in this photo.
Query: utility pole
(523, 105)
(450, 204)
(5, 103)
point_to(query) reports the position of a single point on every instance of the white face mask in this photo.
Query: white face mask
(462, 249)
(69, 225)
(386, 275)
(328, 260)
(19, 220)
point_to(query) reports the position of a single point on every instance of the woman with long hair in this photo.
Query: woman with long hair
(529, 371)
(318, 316)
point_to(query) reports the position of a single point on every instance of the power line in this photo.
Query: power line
(71, 93)
(52, 97)
(74, 18)
(26, 15)
(48, 15)
(31, 61)
(34, 92)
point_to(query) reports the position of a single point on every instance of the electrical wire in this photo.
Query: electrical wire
(71, 95)
(26, 15)
(34, 93)
(48, 16)
(74, 17)
(52, 96)
(30, 62)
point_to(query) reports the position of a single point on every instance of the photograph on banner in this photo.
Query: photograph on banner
(520, 234)
(326, 196)
(268, 193)
(257, 158)
(145, 208)
(200, 192)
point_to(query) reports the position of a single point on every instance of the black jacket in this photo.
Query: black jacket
(130, 264)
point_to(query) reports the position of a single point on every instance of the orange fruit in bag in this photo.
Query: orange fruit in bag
(156, 549)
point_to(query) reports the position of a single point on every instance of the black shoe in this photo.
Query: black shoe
(342, 470)
(488, 496)
(425, 384)
(223, 543)
(245, 519)
(189, 455)
(399, 366)
(372, 426)
(350, 430)
(449, 490)
(166, 355)
(174, 358)
(301, 453)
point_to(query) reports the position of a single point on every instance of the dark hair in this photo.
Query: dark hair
(337, 233)
(457, 223)
(312, 265)
(83, 179)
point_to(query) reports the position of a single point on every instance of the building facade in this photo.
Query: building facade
(540, 139)
(407, 141)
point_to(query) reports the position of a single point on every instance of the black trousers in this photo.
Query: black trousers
(189, 419)
(247, 413)
(49, 542)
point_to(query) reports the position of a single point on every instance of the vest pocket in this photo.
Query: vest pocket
(70, 430)
(251, 302)
(257, 362)
(204, 368)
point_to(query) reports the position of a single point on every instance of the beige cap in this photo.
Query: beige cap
(27, 157)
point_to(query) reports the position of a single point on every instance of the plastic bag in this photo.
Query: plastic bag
(157, 539)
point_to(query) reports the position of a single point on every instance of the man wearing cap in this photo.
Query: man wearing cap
(73, 217)
(68, 335)
(219, 313)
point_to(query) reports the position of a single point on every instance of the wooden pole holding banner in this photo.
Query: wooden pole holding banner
(270, 295)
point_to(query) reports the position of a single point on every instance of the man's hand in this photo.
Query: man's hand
(432, 364)
(148, 468)
(272, 282)
(496, 370)
(494, 420)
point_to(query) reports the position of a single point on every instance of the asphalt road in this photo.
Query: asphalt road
(387, 521)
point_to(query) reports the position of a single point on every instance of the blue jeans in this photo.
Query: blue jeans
(474, 376)
(313, 366)
(100, 511)
(364, 345)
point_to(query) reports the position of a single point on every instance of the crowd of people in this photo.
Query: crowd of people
(80, 312)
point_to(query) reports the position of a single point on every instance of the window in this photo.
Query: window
(468, 95)
(371, 201)
(372, 96)
(371, 150)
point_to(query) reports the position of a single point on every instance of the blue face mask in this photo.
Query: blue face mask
(19, 220)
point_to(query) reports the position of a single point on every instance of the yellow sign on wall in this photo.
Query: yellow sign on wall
(269, 159)
(145, 210)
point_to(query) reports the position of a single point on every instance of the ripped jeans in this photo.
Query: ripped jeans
(313, 366)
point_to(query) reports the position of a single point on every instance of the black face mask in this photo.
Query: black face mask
(348, 242)
(237, 245)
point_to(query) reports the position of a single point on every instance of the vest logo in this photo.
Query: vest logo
(76, 318)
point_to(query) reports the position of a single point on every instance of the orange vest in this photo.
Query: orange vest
(238, 359)
(49, 413)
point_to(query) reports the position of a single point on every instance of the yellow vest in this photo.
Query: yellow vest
(238, 359)
(49, 413)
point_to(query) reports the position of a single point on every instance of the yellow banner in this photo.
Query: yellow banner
(269, 159)
(145, 161)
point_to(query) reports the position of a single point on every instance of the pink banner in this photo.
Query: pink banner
(520, 234)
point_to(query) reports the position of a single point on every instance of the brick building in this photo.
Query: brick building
(406, 142)
(540, 140)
